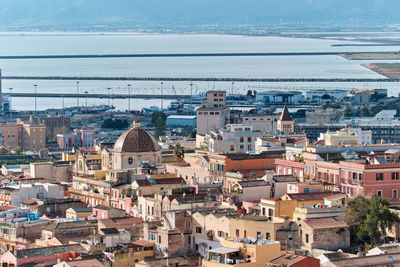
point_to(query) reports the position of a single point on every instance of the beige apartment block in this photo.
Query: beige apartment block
(28, 135)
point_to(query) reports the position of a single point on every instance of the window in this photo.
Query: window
(307, 238)
(395, 193)
(232, 148)
(248, 147)
(263, 211)
(395, 176)
(241, 146)
(198, 230)
(241, 139)
(130, 160)
(249, 139)
(245, 234)
(360, 176)
(220, 234)
(237, 232)
(258, 234)
(379, 176)
(267, 236)
(379, 193)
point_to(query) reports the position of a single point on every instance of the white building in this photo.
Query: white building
(42, 191)
(288, 97)
(316, 95)
(262, 123)
(213, 113)
(350, 136)
(235, 138)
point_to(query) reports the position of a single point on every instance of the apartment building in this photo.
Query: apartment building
(236, 138)
(28, 135)
(213, 113)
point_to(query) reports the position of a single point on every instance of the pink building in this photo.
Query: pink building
(66, 140)
(356, 177)
(287, 167)
(84, 136)
(308, 187)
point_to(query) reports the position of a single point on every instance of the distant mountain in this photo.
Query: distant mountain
(151, 13)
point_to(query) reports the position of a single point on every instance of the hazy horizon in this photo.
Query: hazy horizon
(233, 14)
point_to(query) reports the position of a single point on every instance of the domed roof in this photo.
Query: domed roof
(136, 140)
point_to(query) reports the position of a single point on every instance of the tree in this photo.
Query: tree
(369, 219)
(378, 220)
(156, 114)
(357, 210)
(250, 93)
(159, 119)
(179, 152)
(159, 127)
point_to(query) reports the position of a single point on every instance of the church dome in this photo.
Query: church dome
(136, 140)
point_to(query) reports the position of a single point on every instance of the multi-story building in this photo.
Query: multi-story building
(84, 136)
(56, 123)
(236, 138)
(27, 135)
(232, 168)
(262, 123)
(213, 113)
(13, 194)
(67, 140)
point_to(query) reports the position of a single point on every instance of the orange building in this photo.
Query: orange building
(246, 166)
(28, 135)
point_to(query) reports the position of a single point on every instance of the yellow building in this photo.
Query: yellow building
(132, 253)
(286, 205)
(253, 226)
(249, 252)
(74, 213)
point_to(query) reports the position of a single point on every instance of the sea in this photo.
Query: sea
(76, 43)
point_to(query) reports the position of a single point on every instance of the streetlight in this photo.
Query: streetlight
(9, 105)
(35, 85)
(109, 97)
(191, 97)
(86, 92)
(129, 97)
(77, 93)
(162, 96)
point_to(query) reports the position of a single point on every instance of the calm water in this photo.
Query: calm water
(73, 43)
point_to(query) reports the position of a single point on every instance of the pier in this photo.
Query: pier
(201, 79)
(106, 96)
(256, 54)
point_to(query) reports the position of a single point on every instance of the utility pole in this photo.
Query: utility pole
(9, 105)
(77, 93)
(129, 97)
(191, 97)
(35, 85)
(109, 96)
